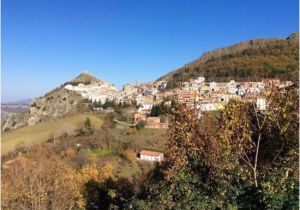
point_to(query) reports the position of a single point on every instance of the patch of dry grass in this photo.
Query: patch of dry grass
(41, 132)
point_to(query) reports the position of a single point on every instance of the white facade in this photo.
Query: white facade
(212, 84)
(145, 107)
(241, 91)
(261, 104)
(232, 90)
(199, 80)
(94, 93)
(152, 158)
(208, 107)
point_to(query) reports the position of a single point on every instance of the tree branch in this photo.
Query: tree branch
(247, 161)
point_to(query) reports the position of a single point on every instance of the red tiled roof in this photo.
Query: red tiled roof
(150, 153)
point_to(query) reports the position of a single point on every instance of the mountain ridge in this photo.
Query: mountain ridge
(255, 52)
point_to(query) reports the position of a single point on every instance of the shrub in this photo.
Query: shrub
(129, 155)
(33, 104)
(141, 124)
(87, 124)
(21, 147)
(70, 152)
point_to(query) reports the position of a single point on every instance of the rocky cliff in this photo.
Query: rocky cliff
(53, 105)
(14, 121)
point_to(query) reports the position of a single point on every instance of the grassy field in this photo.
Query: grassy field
(41, 132)
(121, 166)
(147, 138)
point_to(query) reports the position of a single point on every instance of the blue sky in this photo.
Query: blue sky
(47, 42)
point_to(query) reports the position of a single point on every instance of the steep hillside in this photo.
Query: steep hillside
(250, 60)
(60, 101)
(14, 121)
(53, 105)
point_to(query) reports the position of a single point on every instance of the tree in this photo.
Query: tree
(244, 158)
(258, 138)
(87, 124)
(21, 147)
(97, 189)
(192, 175)
(155, 111)
(107, 138)
(28, 184)
(161, 109)
(130, 155)
(266, 145)
(141, 124)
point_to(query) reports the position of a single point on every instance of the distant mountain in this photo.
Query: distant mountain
(250, 60)
(23, 101)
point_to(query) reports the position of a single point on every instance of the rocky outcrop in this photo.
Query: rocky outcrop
(61, 101)
(53, 105)
(14, 121)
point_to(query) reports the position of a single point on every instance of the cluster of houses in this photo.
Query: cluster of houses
(95, 92)
(145, 95)
(151, 122)
(195, 93)
(212, 96)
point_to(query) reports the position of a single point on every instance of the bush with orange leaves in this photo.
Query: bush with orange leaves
(40, 183)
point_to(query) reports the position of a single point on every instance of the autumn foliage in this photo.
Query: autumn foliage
(241, 159)
(244, 158)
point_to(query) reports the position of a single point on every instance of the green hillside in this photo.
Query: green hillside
(250, 60)
(41, 132)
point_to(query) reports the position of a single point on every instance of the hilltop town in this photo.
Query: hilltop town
(196, 93)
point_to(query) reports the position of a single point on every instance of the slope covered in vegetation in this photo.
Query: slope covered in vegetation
(250, 60)
(42, 132)
(243, 159)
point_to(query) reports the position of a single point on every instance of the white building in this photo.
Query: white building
(199, 80)
(151, 155)
(96, 92)
(212, 84)
(261, 103)
(241, 91)
(143, 107)
(232, 90)
(207, 107)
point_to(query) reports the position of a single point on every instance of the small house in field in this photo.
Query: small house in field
(139, 117)
(151, 155)
(154, 122)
